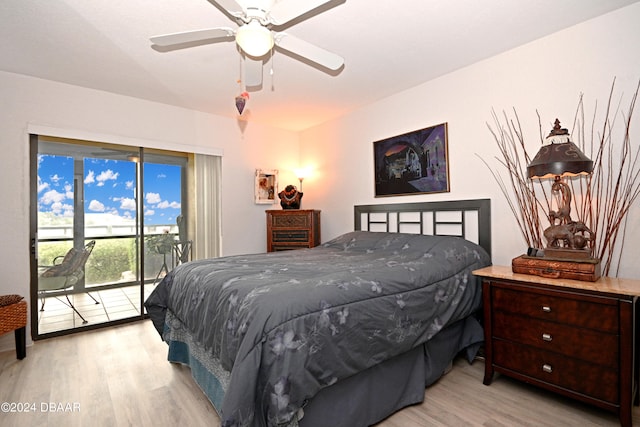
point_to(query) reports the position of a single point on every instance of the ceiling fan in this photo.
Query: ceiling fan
(255, 36)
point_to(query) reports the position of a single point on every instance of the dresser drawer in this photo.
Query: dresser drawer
(598, 313)
(277, 247)
(279, 236)
(584, 344)
(291, 221)
(552, 368)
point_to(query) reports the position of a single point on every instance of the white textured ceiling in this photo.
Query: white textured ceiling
(388, 46)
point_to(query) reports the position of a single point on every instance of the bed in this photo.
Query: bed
(343, 334)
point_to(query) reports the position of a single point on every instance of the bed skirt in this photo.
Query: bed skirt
(361, 400)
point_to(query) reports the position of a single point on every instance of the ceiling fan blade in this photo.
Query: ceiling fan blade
(286, 10)
(232, 7)
(252, 73)
(213, 34)
(309, 51)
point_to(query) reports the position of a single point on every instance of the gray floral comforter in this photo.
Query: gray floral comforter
(286, 324)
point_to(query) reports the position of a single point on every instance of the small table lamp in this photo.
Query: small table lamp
(558, 158)
(300, 173)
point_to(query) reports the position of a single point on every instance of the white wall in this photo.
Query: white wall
(547, 76)
(29, 102)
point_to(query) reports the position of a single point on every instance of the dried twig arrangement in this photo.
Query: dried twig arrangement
(601, 200)
(518, 190)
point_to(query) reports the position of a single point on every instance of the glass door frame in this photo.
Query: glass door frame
(140, 251)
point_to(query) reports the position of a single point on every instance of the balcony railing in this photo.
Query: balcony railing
(114, 260)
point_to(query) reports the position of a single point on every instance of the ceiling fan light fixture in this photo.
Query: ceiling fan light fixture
(254, 39)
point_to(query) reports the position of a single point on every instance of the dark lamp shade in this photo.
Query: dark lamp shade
(559, 159)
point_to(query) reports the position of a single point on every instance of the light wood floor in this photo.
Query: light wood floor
(120, 377)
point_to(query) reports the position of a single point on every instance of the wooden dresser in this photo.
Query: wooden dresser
(572, 337)
(292, 229)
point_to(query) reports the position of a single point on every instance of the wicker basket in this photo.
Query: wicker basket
(13, 316)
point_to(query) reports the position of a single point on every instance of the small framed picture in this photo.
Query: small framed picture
(266, 186)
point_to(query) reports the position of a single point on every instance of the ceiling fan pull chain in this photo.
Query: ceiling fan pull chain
(271, 73)
(240, 76)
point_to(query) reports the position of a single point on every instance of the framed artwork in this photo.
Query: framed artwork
(266, 186)
(413, 163)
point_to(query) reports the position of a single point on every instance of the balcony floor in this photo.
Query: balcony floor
(114, 304)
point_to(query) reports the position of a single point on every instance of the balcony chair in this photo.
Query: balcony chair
(64, 275)
(182, 248)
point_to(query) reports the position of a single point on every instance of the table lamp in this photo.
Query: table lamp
(558, 158)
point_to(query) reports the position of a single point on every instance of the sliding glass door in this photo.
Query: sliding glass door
(99, 247)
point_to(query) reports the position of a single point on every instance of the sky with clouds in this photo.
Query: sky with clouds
(110, 190)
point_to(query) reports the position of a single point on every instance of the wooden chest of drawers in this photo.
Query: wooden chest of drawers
(292, 229)
(574, 338)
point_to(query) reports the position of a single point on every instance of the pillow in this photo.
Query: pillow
(9, 299)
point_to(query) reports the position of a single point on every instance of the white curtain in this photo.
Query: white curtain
(207, 239)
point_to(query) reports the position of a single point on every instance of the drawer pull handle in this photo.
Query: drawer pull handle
(546, 309)
(547, 368)
(547, 337)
